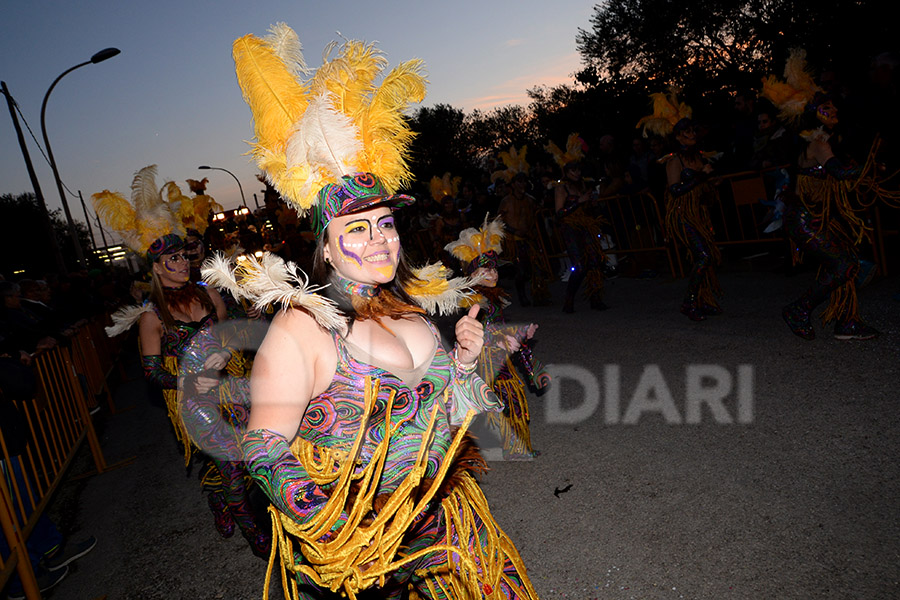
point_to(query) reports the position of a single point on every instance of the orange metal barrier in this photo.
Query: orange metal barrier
(86, 355)
(58, 422)
(634, 225)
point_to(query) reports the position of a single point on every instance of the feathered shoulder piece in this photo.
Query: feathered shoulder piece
(667, 111)
(145, 219)
(436, 292)
(798, 88)
(515, 163)
(575, 149)
(473, 243)
(272, 281)
(444, 186)
(313, 130)
(125, 318)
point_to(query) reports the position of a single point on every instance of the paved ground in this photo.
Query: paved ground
(801, 502)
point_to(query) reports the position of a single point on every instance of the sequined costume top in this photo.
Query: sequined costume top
(332, 419)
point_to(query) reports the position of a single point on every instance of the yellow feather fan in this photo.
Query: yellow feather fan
(667, 111)
(311, 133)
(146, 218)
(472, 242)
(574, 150)
(444, 186)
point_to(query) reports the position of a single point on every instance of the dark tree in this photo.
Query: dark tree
(23, 244)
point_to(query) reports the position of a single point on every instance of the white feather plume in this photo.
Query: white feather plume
(325, 137)
(124, 318)
(438, 293)
(286, 44)
(273, 282)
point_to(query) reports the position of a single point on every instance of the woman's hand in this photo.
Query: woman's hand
(217, 360)
(469, 337)
(204, 384)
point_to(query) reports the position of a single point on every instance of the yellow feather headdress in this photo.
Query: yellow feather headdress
(144, 220)
(793, 94)
(479, 247)
(515, 163)
(193, 211)
(314, 131)
(667, 111)
(444, 186)
(575, 149)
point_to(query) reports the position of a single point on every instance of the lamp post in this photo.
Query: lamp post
(98, 57)
(243, 200)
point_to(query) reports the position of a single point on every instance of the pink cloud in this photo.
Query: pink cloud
(514, 90)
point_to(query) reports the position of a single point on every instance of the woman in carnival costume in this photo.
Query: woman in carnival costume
(354, 401)
(518, 210)
(821, 219)
(181, 353)
(581, 230)
(689, 194)
(478, 250)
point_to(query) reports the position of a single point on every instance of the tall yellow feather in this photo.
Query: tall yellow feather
(386, 132)
(276, 99)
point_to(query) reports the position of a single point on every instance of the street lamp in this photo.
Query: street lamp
(98, 57)
(243, 201)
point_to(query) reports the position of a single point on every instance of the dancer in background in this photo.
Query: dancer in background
(689, 194)
(581, 230)
(821, 218)
(507, 348)
(174, 324)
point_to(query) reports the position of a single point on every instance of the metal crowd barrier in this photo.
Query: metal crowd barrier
(58, 423)
(633, 224)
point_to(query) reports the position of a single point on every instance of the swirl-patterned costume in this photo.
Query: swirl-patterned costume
(452, 548)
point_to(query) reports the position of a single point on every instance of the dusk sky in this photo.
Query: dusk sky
(171, 97)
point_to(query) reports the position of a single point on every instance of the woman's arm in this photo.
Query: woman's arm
(216, 297)
(291, 367)
(283, 379)
(151, 332)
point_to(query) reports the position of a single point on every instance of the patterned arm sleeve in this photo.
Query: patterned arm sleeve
(689, 180)
(156, 372)
(282, 477)
(469, 391)
(838, 170)
(534, 370)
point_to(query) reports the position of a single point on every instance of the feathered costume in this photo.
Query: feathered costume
(480, 248)
(523, 229)
(212, 422)
(375, 489)
(824, 218)
(687, 208)
(581, 230)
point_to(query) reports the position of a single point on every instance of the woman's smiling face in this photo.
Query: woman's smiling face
(364, 247)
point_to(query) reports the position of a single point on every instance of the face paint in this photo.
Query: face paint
(366, 246)
(175, 259)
